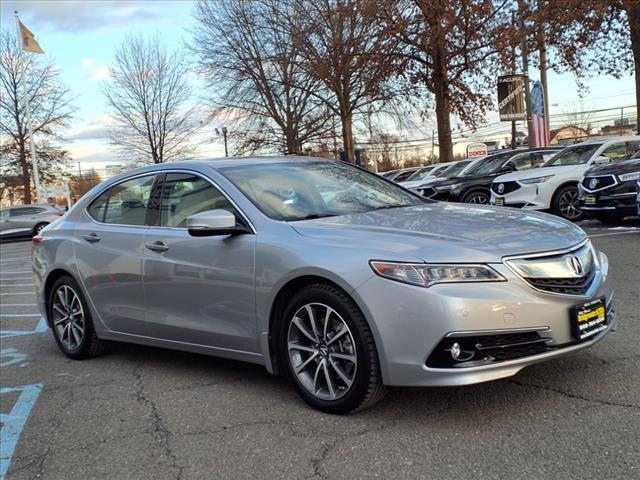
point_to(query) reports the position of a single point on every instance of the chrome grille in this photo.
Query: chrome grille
(593, 184)
(567, 273)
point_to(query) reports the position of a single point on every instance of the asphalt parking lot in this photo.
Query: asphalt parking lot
(149, 413)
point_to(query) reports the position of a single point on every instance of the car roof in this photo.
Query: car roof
(609, 140)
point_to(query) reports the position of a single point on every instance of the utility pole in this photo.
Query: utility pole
(514, 130)
(374, 158)
(543, 75)
(525, 70)
(224, 134)
(433, 144)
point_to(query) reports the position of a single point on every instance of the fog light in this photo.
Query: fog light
(456, 351)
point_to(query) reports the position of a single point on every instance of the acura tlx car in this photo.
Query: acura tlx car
(333, 276)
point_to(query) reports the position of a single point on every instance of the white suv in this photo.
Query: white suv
(554, 186)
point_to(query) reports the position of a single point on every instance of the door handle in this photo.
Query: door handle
(91, 238)
(157, 246)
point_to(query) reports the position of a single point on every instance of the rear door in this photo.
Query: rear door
(109, 252)
(199, 290)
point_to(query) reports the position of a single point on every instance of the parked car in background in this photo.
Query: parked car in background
(419, 178)
(400, 174)
(555, 186)
(342, 281)
(27, 220)
(474, 186)
(455, 169)
(608, 192)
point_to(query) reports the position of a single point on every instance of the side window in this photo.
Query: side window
(127, 202)
(185, 195)
(615, 152)
(18, 212)
(521, 162)
(98, 207)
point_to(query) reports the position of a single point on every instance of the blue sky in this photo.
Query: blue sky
(82, 36)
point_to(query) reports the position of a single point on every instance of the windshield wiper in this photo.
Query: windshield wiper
(312, 216)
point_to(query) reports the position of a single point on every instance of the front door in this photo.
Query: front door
(199, 290)
(109, 251)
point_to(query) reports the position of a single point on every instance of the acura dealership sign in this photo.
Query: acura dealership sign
(511, 97)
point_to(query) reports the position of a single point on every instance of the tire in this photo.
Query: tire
(477, 197)
(565, 203)
(612, 219)
(331, 384)
(76, 337)
(38, 228)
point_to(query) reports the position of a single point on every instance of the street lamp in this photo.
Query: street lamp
(223, 131)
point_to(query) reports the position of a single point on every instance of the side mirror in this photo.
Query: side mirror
(507, 169)
(601, 159)
(213, 222)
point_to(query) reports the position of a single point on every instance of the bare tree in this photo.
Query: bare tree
(83, 182)
(149, 93)
(453, 47)
(346, 48)
(249, 59)
(51, 110)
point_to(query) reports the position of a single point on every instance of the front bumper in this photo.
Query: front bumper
(532, 197)
(620, 199)
(409, 328)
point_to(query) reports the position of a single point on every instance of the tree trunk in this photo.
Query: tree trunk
(441, 92)
(26, 178)
(633, 13)
(347, 137)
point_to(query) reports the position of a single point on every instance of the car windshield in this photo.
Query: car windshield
(312, 189)
(577, 155)
(420, 174)
(489, 165)
(455, 169)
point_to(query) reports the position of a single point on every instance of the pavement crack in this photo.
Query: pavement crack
(160, 430)
(574, 396)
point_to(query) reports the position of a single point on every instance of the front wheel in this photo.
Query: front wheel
(330, 352)
(565, 203)
(476, 198)
(39, 227)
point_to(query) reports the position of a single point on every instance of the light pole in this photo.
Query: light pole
(223, 131)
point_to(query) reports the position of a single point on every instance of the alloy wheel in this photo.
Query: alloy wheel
(68, 317)
(568, 205)
(322, 351)
(479, 199)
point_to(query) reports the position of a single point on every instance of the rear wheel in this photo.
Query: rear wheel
(39, 227)
(565, 203)
(611, 219)
(71, 321)
(477, 198)
(330, 352)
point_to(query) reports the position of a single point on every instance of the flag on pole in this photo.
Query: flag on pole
(28, 40)
(538, 117)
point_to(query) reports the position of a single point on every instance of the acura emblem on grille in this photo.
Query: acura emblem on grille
(593, 182)
(576, 265)
(500, 187)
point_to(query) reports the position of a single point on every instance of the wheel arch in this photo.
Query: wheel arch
(475, 188)
(562, 185)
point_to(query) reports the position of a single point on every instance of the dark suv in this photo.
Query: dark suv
(608, 192)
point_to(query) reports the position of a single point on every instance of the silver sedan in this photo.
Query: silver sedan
(335, 277)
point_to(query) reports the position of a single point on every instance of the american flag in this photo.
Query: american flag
(538, 117)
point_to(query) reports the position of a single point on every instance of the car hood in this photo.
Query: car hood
(617, 168)
(445, 232)
(570, 170)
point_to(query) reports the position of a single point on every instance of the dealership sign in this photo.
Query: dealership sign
(511, 104)
(475, 150)
(54, 191)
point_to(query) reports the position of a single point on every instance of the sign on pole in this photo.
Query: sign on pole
(476, 150)
(511, 101)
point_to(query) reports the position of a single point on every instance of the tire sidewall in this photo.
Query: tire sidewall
(347, 310)
(39, 227)
(556, 203)
(85, 344)
(470, 195)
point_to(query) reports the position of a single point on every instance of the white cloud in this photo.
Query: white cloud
(87, 62)
(99, 73)
(95, 130)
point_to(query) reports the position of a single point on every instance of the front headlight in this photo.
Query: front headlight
(447, 187)
(425, 275)
(629, 177)
(529, 181)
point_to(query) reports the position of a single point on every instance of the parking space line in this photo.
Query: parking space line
(13, 422)
(16, 278)
(10, 272)
(17, 293)
(41, 327)
(10, 315)
(18, 305)
(12, 259)
(16, 285)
